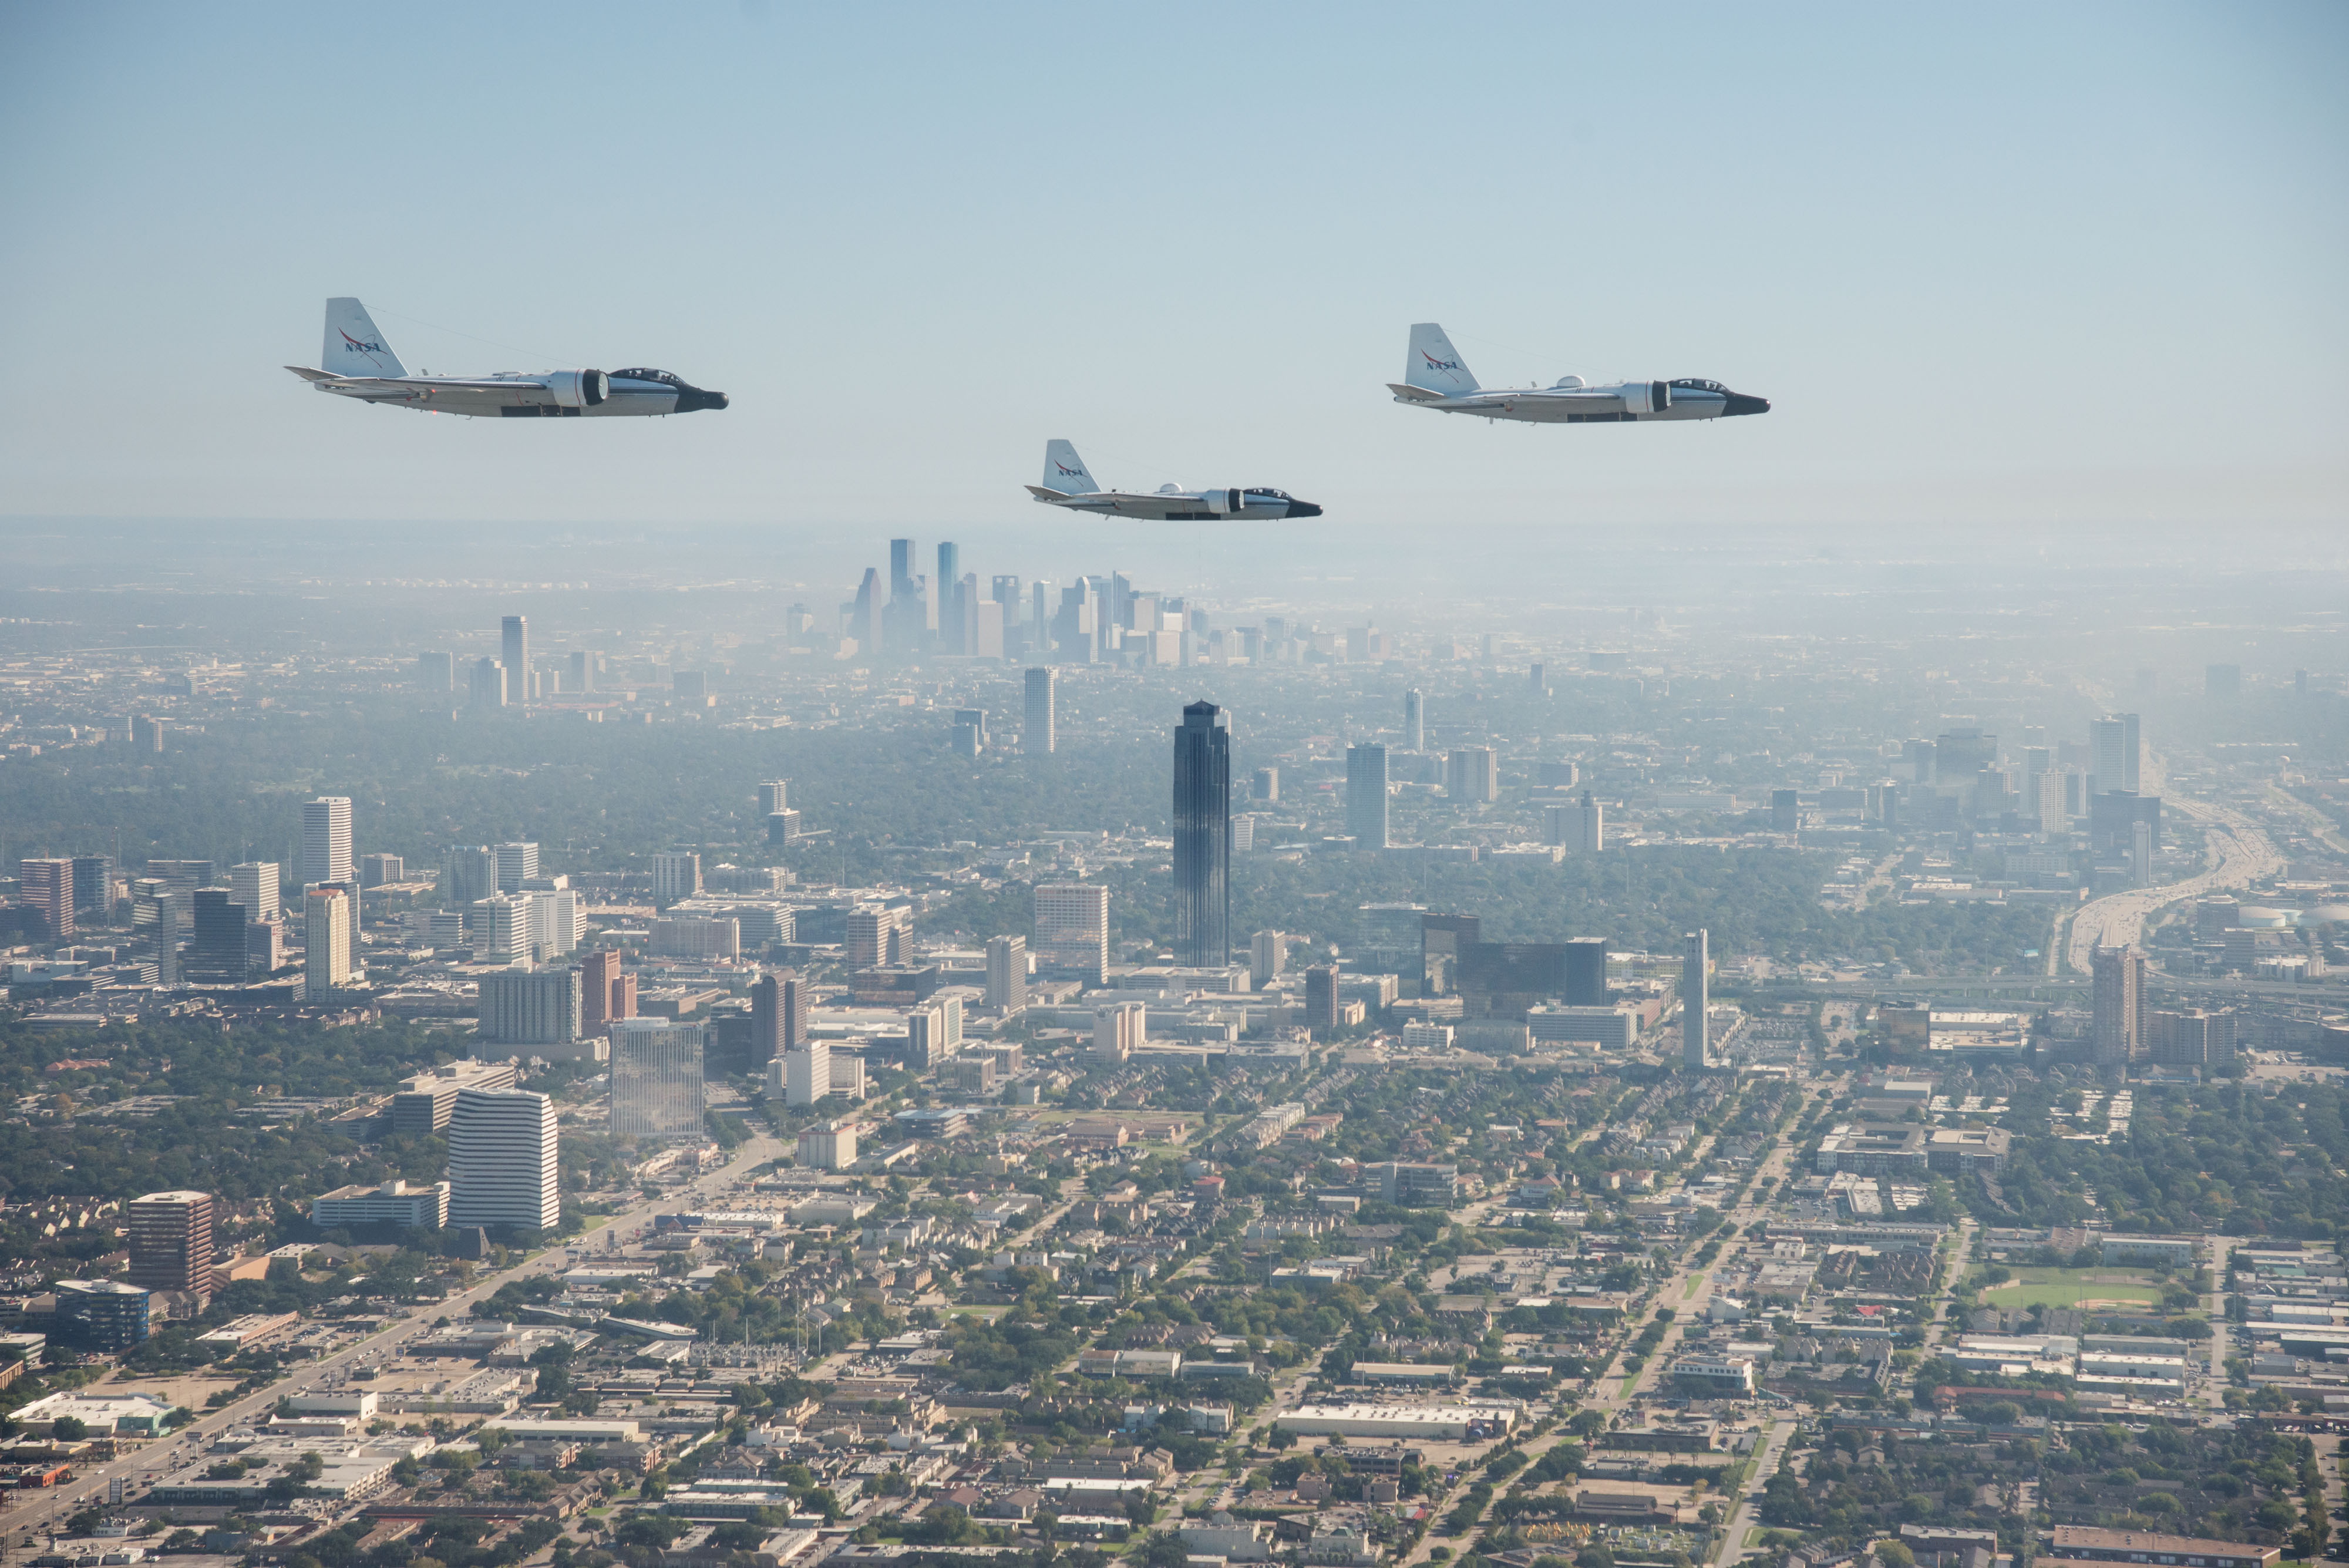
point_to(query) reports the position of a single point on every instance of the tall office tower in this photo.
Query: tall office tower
(2048, 804)
(1473, 773)
(171, 1242)
(327, 842)
(93, 884)
(1321, 1000)
(490, 688)
(1036, 732)
(217, 952)
(1268, 957)
(503, 927)
(1366, 796)
(774, 796)
(948, 599)
(1039, 618)
(532, 1007)
(599, 972)
(514, 654)
(930, 1037)
(1786, 810)
(874, 934)
(2117, 1003)
(1414, 722)
(778, 1015)
(502, 1160)
(807, 1073)
(581, 676)
(1203, 837)
(1265, 786)
(2141, 853)
(46, 888)
(326, 938)
(986, 631)
(381, 870)
(2112, 752)
(1586, 972)
(1580, 827)
(1118, 1028)
(1696, 998)
(1073, 930)
(676, 874)
(517, 864)
(436, 673)
(656, 1079)
(864, 619)
(469, 874)
(1006, 973)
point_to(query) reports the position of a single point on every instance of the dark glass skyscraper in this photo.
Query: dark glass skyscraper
(1203, 837)
(1366, 796)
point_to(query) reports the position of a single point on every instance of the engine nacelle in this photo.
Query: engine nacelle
(1225, 502)
(579, 389)
(1647, 397)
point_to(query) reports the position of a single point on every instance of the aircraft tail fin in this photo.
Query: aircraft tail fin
(353, 346)
(1065, 471)
(1435, 364)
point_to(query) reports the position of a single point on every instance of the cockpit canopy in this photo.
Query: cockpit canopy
(1273, 494)
(1694, 385)
(663, 377)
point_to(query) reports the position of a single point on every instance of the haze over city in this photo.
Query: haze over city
(1050, 787)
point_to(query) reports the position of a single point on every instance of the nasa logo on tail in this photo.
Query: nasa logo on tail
(1069, 473)
(1452, 366)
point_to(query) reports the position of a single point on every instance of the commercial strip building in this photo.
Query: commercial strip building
(1456, 1422)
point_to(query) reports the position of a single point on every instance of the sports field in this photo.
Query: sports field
(2089, 1288)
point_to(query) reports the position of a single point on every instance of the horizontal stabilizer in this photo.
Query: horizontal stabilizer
(1414, 394)
(310, 375)
(1056, 496)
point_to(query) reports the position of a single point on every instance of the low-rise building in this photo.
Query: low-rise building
(393, 1202)
(1455, 1422)
(2086, 1543)
(1872, 1149)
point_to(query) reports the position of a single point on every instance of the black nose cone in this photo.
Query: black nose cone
(693, 399)
(1739, 403)
(1303, 509)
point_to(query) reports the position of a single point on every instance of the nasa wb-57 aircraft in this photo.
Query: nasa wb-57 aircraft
(1067, 483)
(357, 363)
(1438, 378)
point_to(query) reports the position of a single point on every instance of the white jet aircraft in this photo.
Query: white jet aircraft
(1437, 378)
(357, 363)
(1067, 483)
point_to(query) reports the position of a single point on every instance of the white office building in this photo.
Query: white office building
(326, 937)
(1696, 996)
(1118, 1028)
(517, 864)
(656, 1079)
(502, 1160)
(326, 841)
(530, 1007)
(1072, 928)
(807, 1074)
(676, 874)
(1006, 973)
(253, 886)
(419, 1208)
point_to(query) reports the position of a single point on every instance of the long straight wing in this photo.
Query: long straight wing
(401, 384)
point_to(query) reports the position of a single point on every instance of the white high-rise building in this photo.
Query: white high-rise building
(517, 864)
(774, 796)
(1006, 973)
(1580, 827)
(502, 1160)
(676, 874)
(656, 1079)
(2141, 853)
(326, 841)
(253, 885)
(1696, 996)
(1036, 729)
(1268, 957)
(326, 941)
(807, 1074)
(1072, 928)
(558, 921)
(1118, 1028)
(505, 928)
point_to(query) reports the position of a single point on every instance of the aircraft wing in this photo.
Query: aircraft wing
(402, 386)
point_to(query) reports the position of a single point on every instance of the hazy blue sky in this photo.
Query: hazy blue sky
(1995, 264)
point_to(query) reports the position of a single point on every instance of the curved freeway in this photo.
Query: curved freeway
(2245, 855)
